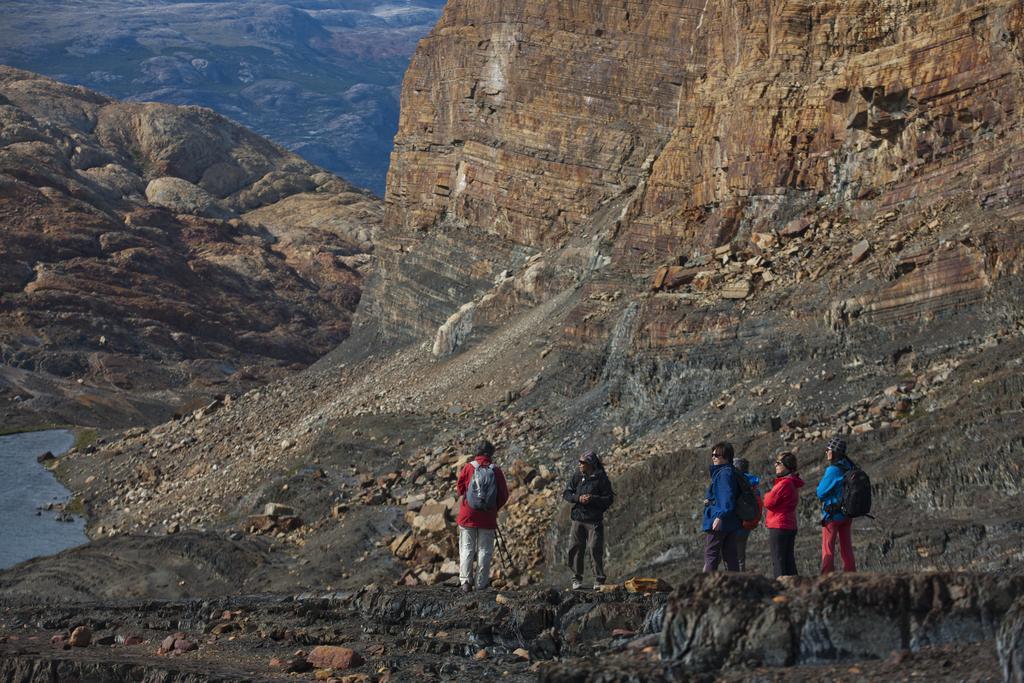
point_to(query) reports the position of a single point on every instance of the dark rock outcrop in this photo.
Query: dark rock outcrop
(1010, 643)
(719, 621)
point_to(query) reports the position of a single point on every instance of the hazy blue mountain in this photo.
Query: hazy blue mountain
(320, 77)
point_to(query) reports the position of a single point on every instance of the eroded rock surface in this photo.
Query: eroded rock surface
(150, 247)
(746, 624)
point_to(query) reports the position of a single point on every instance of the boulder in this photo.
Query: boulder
(860, 251)
(334, 657)
(80, 637)
(181, 196)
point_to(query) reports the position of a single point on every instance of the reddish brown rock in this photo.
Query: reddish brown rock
(334, 657)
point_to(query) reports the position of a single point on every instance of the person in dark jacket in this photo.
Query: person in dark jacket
(590, 493)
(720, 519)
(742, 465)
(834, 524)
(478, 527)
(780, 519)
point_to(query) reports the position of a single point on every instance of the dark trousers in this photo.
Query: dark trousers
(718, 547)
(782, 543)
(742, 536)
(587, 537)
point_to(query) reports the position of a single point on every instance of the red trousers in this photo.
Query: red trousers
(831, 531)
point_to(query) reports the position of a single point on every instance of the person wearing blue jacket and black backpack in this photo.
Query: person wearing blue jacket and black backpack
(720, 520)
(835, 525)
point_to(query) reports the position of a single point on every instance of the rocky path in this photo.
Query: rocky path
(722, 627)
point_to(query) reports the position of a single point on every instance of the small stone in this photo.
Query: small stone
(862, 428)
(736, 290)
(80, 637)
(795, 227)
(481, 655)
(765, 241)
(646, 585)
(277, 510)
(521, 653)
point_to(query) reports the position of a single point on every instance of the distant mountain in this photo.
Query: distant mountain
(151, 254)
(319, 77)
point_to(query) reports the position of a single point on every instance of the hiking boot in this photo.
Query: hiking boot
(466, 587)
(577, 584)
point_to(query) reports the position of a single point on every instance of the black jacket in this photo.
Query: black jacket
(601, 496)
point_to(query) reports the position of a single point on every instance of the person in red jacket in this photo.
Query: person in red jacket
(483, 491)
(780, 521)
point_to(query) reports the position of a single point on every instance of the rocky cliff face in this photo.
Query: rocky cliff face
(762, 222)
(644, 229)
(149, 247)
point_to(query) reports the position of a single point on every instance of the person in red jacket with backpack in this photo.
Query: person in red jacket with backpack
(483, 492)
(780, 503)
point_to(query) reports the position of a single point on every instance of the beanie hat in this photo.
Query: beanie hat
(590, 458)
(837, 445)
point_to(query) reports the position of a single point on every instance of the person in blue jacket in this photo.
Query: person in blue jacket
(720, 520)
(834, 524)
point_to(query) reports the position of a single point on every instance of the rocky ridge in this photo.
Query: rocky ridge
(154, 254)
(814, 628)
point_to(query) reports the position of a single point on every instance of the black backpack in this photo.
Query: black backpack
(745, 504)
(856, 499)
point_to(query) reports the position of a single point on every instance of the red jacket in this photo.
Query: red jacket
(479, 519)
(781, 502)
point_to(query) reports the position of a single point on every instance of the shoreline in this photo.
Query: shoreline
(32, 489)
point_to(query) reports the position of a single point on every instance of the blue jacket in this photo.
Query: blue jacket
(755, 481)
(830, 489)
(721, 495)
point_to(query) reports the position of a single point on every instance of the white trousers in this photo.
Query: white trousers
(478, 543)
